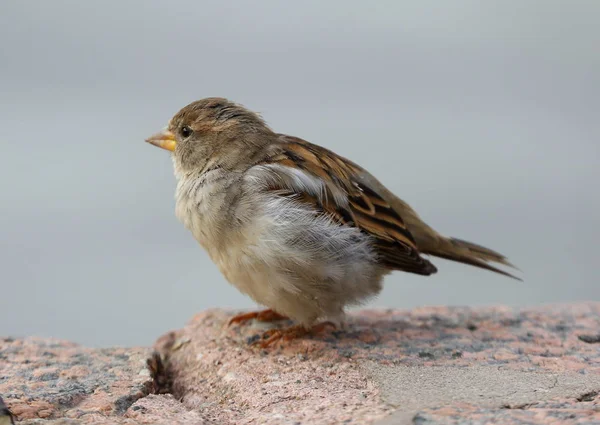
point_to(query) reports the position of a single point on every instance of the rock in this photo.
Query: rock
(46, 381)
(426, 366)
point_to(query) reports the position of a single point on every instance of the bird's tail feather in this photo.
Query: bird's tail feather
(472, 254)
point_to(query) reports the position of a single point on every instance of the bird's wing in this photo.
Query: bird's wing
(330, 183)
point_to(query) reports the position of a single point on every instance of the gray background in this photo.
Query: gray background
(483, 115)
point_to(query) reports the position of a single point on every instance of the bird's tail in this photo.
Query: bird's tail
(431, 242)
(470, 253)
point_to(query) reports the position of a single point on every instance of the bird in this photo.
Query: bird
(6, 417)
(301, 230)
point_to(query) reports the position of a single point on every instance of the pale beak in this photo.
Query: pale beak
(165, 139)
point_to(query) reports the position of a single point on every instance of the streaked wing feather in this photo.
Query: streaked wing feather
(362, 206)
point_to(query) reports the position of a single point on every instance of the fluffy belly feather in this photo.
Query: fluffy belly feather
(283, 255)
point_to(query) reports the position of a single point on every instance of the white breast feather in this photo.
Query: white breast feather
(283, 253)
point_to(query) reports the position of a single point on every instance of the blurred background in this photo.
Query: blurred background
(483, 115)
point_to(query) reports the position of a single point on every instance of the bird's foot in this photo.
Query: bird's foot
(262, 316)
(293, 332)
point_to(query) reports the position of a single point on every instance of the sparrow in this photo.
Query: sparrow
(6, 417)
(298, 228)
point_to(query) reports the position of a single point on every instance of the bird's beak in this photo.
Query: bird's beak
(165, 139)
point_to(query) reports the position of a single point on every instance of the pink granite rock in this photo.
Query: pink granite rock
(56, 382)
(425, 366)
(431, 365)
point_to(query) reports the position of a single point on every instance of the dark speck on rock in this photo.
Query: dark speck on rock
(422, 419)
(561, 327)
(252, 339)
(513, 323)
(476, 347)
(526, 338)
(123, 357)
(48, 377)
(488, 337)
(457, 355)
(426, 355)
(81, 358)
(472, 327)
(347, 353)
(123, 403)
(590, 339)
(549, 354)
(588, 396)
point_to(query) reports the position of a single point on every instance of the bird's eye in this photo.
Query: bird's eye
(186, 131)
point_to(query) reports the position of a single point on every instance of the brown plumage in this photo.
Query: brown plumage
(398, 243)
(366, 210)
(295, 226)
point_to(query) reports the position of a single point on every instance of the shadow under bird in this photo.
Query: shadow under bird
(298, 228)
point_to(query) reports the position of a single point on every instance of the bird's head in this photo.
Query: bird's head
(212, 132)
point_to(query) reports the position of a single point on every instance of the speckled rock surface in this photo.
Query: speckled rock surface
(45, 381)
(424, 366)
(50, 378)
(429, 365)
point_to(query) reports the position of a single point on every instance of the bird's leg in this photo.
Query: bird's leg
(273, 335)
(262, 316)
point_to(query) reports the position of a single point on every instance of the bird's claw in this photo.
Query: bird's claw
(271, 336)
(262, 316)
